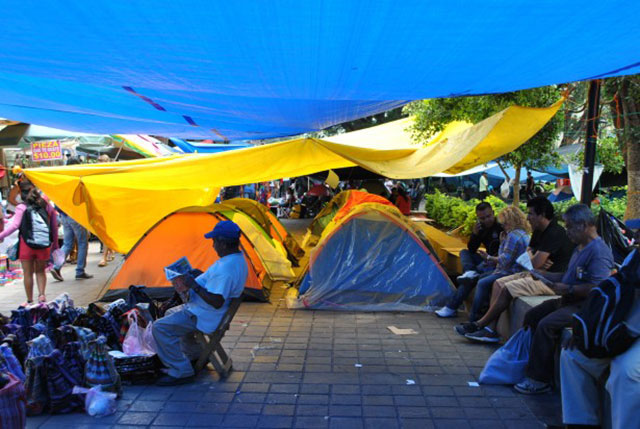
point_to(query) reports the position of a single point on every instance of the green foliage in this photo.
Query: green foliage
(608, 153)
(433, 115)
(453, 212)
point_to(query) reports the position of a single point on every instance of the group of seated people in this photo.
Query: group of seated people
(567, 262)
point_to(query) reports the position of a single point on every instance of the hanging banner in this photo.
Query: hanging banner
(46, 150)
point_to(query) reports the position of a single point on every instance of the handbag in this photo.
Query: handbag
(100, 370)
(9, 362)
(137, 295)
(60, 383)
(13, 404)
(13, 252)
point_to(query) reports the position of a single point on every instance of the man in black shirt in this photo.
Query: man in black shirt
(550, 250)
(486, 232)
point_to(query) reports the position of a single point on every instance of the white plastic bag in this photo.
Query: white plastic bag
(97, 403)
(58, 257)
(138, 341)
(504, 189)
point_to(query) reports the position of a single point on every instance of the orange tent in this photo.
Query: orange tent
(177, 235)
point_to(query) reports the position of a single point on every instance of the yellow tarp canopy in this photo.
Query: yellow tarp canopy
(119, 202)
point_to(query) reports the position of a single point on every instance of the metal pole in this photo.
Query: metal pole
(593, 104)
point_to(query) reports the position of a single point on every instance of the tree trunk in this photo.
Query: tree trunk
(632, 146)
(516, 185)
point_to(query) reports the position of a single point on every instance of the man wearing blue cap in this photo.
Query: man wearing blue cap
(209, 297)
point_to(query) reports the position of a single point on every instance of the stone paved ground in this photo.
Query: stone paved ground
(299, 369)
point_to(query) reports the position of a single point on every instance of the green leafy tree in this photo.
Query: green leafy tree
(623, 94)
(433, 115)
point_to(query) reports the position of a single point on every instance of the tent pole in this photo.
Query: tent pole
(118, 154)
(593, 105)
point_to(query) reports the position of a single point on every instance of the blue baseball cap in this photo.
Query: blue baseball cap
(633, 223)
(224, 229)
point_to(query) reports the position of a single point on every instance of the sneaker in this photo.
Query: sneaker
(446, 312)
(83, 276)
(168, 380)
(466, 328)
(532, 387)
(484, 335)
(56, 274)
(471, 274)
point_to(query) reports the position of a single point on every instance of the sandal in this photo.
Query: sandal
(26, 304)
(42, 298)
(102, 263)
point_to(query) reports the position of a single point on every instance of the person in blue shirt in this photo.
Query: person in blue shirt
(209, 297)
(590, 264)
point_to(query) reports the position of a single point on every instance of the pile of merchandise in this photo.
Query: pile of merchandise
(48, 349)
(9, 270)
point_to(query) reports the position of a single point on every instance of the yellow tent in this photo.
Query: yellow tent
(119, 202)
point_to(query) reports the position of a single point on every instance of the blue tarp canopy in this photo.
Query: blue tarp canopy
(191, 147)
(258, 69)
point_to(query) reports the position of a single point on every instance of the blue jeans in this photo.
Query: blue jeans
(473, 262)
(481, 299)
(73, 230)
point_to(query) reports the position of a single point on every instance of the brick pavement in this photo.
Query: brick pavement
(298, 369)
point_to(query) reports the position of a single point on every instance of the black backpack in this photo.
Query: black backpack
(35, 229)
(599, 330)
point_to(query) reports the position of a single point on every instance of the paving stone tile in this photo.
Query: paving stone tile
(378, 400)
(381, 423)
(451, 424)
(169, 419)
(346, 423)
(514, 413)
(345, 410)
(282, 398)
(239, 421)
(480, 413)
(275, 422)
(346, 399)
(257, 398)
(213, 407)
(407, 400)
(314, 422)
(379, 411)
(416, 424)
(180, 407)
(242, 408)
(318, 388)
(279, 410)
(307, 398)
(284, 388)
(136, 418)
(312, 410)
(486, 424)
(146, 406)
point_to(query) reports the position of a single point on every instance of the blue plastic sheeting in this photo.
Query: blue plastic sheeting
(371, 264)
(257, 69)
(189, 147)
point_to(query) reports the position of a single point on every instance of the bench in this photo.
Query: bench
(512, 319)
(212, 350)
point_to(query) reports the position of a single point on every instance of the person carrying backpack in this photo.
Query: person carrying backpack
(605, 337)
(37, 223)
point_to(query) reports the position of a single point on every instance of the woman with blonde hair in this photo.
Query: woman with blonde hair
(513, 242)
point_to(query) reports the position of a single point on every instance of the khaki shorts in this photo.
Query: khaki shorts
(522, 284)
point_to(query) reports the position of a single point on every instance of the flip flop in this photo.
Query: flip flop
(102, 263)
(42, 298)
(26, 304)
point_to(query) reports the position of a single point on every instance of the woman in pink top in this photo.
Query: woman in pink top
(34, 261)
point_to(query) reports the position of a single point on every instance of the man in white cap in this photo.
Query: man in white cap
(209, 297)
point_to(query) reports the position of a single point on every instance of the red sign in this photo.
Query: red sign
(46, 151)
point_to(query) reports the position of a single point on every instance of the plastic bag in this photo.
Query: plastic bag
(136, 342)
(97, 403)
(507, 365)
(58, 257)
(504, 189)
(13, 252)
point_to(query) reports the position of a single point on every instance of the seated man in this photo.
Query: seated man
(549, 248)
(580, 375)
(486, 231)
(590, 264)
(209, 297)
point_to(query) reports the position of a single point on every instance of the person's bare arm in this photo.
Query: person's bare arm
(213, 299)
(539, 259)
